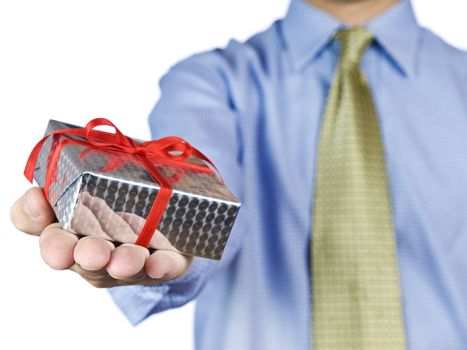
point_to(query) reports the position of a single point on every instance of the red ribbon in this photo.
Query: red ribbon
(114, 163)
(146, 152)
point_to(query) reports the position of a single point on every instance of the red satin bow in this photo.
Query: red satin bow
(162, 150)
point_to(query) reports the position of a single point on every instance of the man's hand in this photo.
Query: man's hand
(95, 258)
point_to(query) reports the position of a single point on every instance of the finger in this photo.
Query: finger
(98, 278)
(93, 253)
(57, 247)
(102, 279)
(163, 264)
(32, 213)
(126, 261)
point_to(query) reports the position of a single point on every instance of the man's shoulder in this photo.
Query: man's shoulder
(238, 57)
(444, 52)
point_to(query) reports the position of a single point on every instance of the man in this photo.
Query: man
(287, 137)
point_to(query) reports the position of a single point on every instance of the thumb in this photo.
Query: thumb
(32, 213)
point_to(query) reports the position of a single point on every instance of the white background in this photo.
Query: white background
(75, 60)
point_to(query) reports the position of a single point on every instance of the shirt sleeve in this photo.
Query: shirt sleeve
(197, 104)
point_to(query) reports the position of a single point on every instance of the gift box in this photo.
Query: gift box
(109, 185)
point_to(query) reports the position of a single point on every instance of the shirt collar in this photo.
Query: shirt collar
(308, 30)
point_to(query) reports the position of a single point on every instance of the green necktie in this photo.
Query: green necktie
(356, 294)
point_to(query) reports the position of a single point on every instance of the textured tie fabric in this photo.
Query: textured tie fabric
(356, 293)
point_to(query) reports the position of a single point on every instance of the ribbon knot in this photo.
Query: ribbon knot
(170, 150)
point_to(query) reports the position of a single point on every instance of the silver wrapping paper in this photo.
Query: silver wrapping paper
(90, 199)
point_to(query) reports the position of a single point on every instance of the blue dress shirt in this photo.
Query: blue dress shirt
(255, 108)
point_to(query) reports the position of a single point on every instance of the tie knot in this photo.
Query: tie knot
(354, 41)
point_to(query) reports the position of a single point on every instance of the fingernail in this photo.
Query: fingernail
(29, 208)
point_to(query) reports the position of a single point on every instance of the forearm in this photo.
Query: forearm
(195, 105)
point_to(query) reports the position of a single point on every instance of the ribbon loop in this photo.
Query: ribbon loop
(170, 147)
(106, 139)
